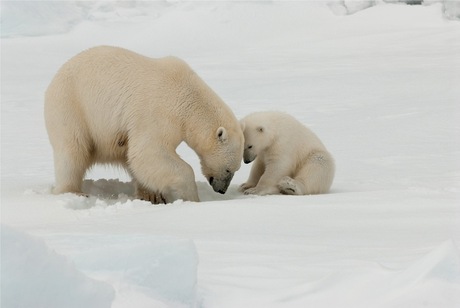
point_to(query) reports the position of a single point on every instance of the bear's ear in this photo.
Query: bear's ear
(221, 134)
(260, 129)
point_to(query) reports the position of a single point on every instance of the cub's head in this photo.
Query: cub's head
(257, 137)
(222, 158)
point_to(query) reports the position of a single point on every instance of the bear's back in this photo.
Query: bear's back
(116, 62)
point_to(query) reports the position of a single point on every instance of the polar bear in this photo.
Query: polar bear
(289, 157)
(111, 105)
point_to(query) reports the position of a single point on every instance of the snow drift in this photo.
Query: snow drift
(35, 276)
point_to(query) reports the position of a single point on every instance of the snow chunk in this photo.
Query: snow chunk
(451, 9)
(410, 2)
(164, 269)
(347, 7)
(34, 276)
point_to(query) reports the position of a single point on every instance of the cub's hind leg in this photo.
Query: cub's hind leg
(289, 186)
(315, 176)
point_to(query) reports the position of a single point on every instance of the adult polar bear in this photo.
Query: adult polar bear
(111, 105)
(289, 158)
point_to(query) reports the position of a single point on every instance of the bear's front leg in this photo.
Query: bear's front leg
(257, 170)
(147, 195)
(165, 174)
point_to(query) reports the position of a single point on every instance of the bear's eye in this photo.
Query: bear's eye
(250, 147)
(228, 171)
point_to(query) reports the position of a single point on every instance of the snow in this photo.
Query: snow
(379, 87)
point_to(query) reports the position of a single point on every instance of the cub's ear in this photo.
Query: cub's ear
(221, 134)
(260, 129)
(243, 125)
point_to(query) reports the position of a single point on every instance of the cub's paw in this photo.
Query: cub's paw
(289, 186)
(245, 186)
(262, 191)
(251, 191)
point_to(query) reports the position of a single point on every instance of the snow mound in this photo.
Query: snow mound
(47, 279)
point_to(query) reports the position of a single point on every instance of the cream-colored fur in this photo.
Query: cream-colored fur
(111, 105)
(289, 158)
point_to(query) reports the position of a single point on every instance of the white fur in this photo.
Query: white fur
(289, 157)
(111, 105)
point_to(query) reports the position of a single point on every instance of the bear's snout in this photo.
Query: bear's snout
(221, 185)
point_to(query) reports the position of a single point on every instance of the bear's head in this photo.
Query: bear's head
(257, 137)
(223, 158)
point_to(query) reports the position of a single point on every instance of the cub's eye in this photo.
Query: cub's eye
(250, 147)
(228, 171)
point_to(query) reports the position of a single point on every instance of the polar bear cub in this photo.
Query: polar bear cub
(110, 105)
(288, 157)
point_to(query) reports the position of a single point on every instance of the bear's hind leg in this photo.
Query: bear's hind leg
(70, 168)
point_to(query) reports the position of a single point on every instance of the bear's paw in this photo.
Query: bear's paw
(289, 186)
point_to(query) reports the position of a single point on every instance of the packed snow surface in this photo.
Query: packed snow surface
(379, 87)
